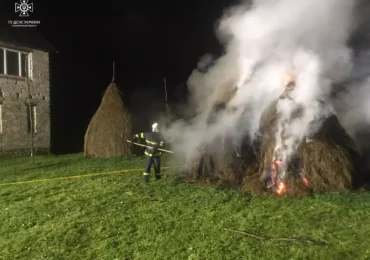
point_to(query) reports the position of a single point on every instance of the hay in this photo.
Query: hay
(221, 167)
(221, 99)
(329, 160)
(109, 128)
(217, 165)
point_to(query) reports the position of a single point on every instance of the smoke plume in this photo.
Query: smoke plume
(264, 42)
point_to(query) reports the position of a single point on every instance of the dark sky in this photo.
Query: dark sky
(148, 40)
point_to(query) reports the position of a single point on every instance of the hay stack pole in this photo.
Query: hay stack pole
(110, 127)
(165, 90)
(114, 71)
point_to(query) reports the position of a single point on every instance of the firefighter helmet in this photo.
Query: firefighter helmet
(155, 127)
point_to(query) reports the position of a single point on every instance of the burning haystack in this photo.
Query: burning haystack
(325, 160)
(224, 167)
(109, 128)
(295, 142)
(223, 162)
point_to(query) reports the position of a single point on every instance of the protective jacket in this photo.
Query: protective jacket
(152, 139)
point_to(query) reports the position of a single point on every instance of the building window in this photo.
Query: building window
(24, 65)
(32, 119)
(2, 61)
(1, 118)
(13, 62)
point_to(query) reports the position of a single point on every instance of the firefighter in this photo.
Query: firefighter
(153, 156)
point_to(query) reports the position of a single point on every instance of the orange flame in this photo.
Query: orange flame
(281, 188)
(304, 179)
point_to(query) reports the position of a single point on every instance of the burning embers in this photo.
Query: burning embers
(281, 188)
(275, 176)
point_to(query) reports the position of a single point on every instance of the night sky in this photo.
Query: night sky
(148, 40)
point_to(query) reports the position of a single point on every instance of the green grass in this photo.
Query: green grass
(117, 216)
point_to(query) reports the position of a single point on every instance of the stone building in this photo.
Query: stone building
(24, 74)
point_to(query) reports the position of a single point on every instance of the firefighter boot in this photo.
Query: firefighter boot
(146, 178)
(158, 176)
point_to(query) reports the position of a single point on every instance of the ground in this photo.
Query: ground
(117, 216)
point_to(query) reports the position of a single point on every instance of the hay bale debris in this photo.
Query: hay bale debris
(109, 128)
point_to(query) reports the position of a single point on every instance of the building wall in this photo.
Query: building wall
(16, 136)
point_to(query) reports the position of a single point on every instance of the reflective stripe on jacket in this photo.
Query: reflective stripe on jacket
(151, 139)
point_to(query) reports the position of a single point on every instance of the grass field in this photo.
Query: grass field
(117, 216)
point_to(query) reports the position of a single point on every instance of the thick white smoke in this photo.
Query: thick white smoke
(264, 41)
(353, 103)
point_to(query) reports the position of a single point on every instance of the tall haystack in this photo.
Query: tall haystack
(326, 161)
(221, 163)
(221, 98)
(109, 128)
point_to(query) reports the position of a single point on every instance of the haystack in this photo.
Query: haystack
(328, 160)
(221, 98)
(222, 167)
(219, 163)
(109, 128)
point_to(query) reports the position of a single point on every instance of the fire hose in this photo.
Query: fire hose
(302, 240)
(142, 145)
